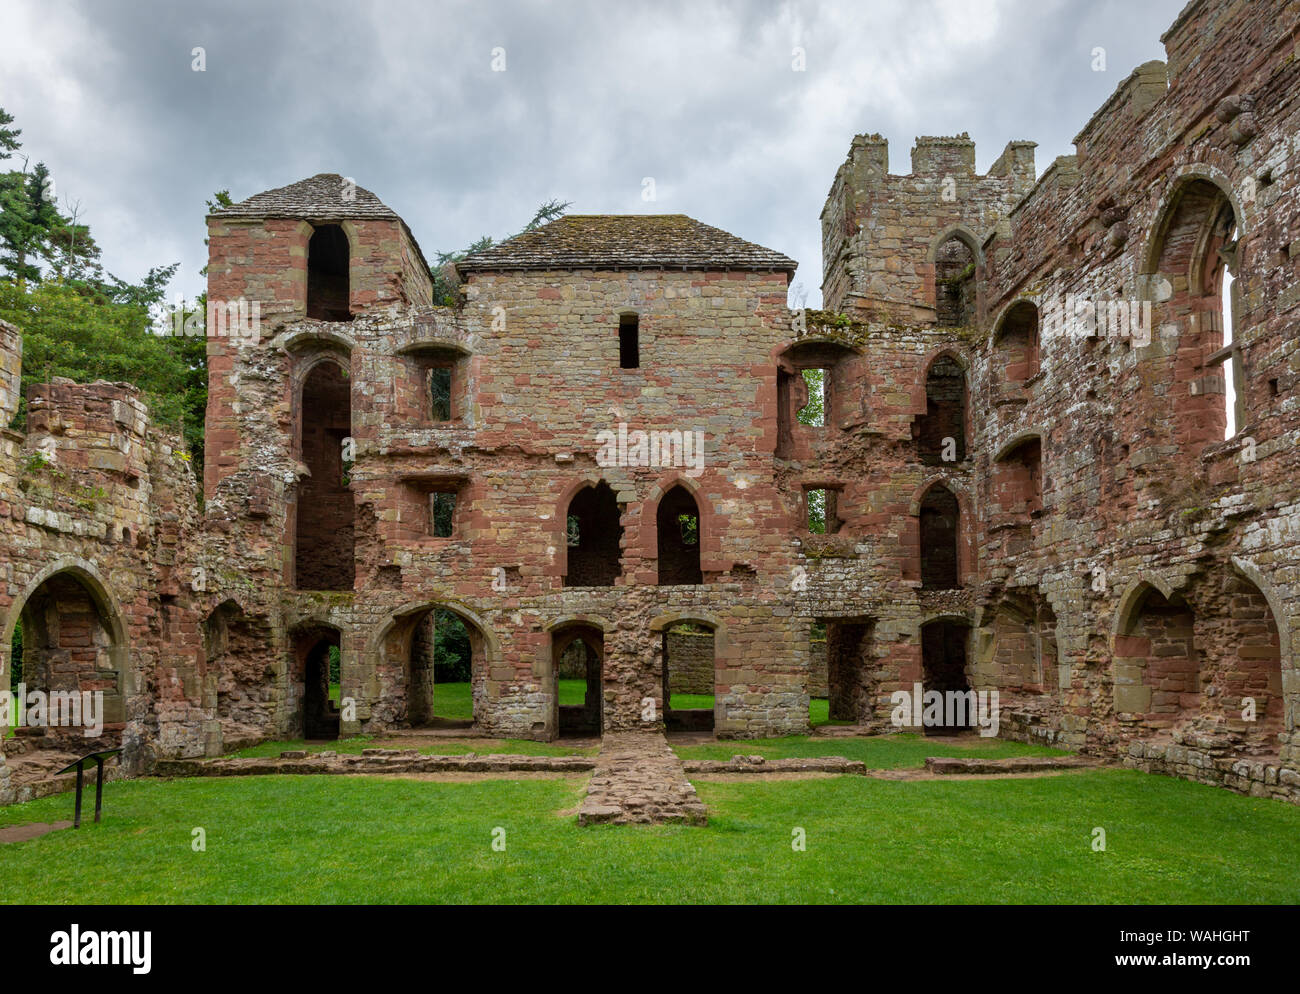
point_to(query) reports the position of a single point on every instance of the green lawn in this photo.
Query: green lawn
(687, 702)
(362, 839)
(885, 752)
(819, 708)
(454, 700)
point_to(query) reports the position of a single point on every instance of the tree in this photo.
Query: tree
(9, 143)
(443, 273)
(86, 333)
(452, 653)
(814, 412)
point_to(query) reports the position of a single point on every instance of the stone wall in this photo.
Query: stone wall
(1115, 530)
(1088, 545)
(690, 662)
(98, 520)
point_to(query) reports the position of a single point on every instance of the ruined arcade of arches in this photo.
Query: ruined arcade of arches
(1026, 477)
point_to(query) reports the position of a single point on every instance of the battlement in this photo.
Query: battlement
(943, 154)
(881, 232)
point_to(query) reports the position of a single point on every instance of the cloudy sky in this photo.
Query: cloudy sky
(701, 95)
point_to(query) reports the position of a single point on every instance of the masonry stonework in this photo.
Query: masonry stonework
(1028, 480)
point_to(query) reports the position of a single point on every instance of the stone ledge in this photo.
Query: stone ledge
(759, 765)
(1242, 775)
(957, 766)
(373, 761)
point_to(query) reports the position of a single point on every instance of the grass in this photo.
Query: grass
(362, 839)
(686, 702)
(819, 708)
(454, 700)
(884, 752)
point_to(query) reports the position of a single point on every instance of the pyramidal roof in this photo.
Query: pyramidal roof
(326, 196)
(626, 241)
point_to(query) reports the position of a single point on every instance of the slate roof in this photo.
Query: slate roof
(626, 241)
(319, 198)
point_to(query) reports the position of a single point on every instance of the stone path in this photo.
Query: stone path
(639, 780)
(21, 833)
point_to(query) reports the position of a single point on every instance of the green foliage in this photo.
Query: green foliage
(440, 394)
(81, 322)
(91, 333)
(444, 512)
(813, 413)
(9, 143)
(690, 528)
(444, 281)
(816, 500)
(452, 653)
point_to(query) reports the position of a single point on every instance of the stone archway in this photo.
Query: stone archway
(578, 654)
(65, 666)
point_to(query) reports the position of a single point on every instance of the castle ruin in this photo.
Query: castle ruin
(1023, 480)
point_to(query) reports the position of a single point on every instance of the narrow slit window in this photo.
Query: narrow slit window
(816, 501)
(822, 507)
(442, 512)
(440, 393)
(814, 413)
(629, 342)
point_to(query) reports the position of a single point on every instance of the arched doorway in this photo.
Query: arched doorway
(67, 670)
(317, 658)
(678, 525)
(940, 535)
(578, 657)
(1157, 661)
(594, 537)
(1194, 251)
(1016, 345)
(955, 268)
(323, 549)
(944, 669)
(441, 656)
(1250, 644)
(328, 291)
(941, 431)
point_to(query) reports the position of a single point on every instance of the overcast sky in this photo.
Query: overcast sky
(595, 96)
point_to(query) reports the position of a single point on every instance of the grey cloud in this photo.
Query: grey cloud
(401, 96)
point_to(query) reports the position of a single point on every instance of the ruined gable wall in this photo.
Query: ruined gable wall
(538, 390)
(1128, 487)
(94, 491)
